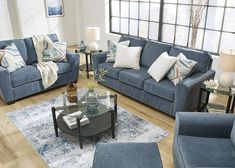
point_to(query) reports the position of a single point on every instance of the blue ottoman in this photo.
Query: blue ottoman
(127, 155)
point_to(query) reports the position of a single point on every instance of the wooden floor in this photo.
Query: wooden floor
(15, 151)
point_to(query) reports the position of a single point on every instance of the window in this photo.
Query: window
(173, 21)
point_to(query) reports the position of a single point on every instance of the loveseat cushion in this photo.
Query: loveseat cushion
(25, 75)
(111, 71)
(20, 46)
(152, 51)
(164, 89)
(232, 136)
(134, 41)
(206, 152)
(203, 59)
(134, 77)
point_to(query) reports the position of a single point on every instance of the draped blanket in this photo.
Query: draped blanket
(48, 70)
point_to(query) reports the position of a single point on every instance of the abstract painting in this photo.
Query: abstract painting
(54, 8)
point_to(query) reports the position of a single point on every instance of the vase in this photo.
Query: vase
(82, 46)
(92, 100)
(72, 92)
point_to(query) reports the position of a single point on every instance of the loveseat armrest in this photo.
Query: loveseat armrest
(6, 91)
(74, 60)
(199, 124)
(187, 91)
(98, 58)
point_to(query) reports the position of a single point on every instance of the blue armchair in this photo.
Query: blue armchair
(204, 140)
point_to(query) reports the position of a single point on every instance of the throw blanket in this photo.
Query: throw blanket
(47, 69)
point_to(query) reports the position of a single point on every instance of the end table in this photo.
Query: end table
(229, 92)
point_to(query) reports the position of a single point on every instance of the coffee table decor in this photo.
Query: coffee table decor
(36, 124)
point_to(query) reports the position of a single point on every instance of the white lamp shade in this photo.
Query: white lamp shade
(227, 60)
(92, 34)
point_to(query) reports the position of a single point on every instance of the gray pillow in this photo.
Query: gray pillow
(112, 49)
(232, 136)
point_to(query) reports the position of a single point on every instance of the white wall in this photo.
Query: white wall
(24, 18)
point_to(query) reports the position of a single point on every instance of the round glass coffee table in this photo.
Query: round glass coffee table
(101, 119)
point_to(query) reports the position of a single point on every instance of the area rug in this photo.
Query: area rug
(36, 124)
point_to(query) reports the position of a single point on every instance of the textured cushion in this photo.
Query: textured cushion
(232, 136)
(25, 75)
(127, 57)
(182, 68)
(206, 152)
(127, 155)
(203, 59)
(112, 49)
(31, 50)
(20, 46)
(134, 41)
(134, 77)
(161, 66)
(111, 71)
(11, 58)
(54, 51)
(152, 51)
(164, 89)
(63, 67)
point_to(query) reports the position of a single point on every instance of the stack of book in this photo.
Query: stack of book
(71, 119)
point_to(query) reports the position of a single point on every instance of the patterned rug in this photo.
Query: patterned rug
(36, 124)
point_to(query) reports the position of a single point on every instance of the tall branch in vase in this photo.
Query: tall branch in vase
(196, 16)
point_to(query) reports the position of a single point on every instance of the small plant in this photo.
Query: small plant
(98, 77)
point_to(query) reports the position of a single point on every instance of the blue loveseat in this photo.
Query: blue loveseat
(27, 80)
(204, 140)
(164, 95)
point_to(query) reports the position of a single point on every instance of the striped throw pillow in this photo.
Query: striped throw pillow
(11, 58)
(182, 69)
(54, 51)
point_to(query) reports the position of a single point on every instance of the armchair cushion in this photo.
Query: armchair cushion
(134, 77)
(232, 136)
(164, 89)
(134, 41)
(111, 71)
(25, 75)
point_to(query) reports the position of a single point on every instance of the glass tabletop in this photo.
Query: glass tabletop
(105, 104)
(229, 91)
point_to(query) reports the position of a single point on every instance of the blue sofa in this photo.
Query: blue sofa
(138, 84)
(204, 140)
(27, 80)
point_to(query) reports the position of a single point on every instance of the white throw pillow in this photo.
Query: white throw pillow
(127, 57)
(11, 58)
(112, 49)
(161, 66)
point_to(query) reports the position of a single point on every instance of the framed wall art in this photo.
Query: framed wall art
(54, 8)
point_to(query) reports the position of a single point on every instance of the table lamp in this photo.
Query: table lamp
(93, 35)
(227, 65)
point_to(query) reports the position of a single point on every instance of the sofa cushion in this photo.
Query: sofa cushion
(206, 152)
(134, 77)
(20, 46)
(25, 75)
(134, 41)
(111, 71)
(203, 59)
(152, 51)
(232, 136)
(31, 50)
(164, 89)
(53, 37)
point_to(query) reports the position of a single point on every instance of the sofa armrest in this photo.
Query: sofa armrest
(73, 59)
(6, 91)
(98, 58)
(187, 91)
(211, 125)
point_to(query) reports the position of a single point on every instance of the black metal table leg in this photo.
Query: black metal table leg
(113, 123)
(79, 133)
(87, 66)
(199, 100)
(115, 106)
(229, 104)
(54, 121)
(233, 104)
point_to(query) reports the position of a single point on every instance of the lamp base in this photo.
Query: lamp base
(226, 79)
(93, 46)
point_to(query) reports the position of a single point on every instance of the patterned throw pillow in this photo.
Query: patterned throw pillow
(10, 58)
(54, 51)
(182, 69)
(112, 49)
